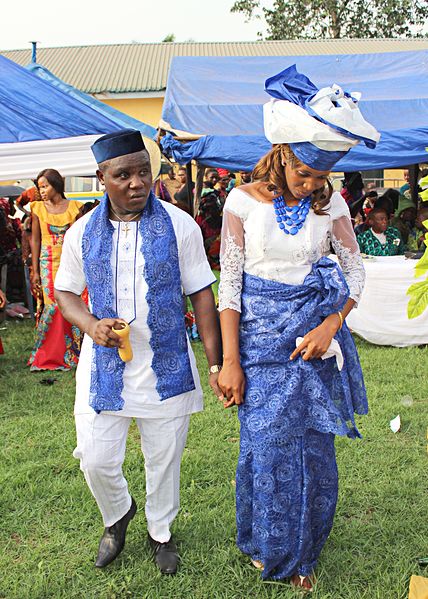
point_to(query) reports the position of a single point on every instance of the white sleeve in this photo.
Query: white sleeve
(232, 261)
(70, 275)
(195, 270)
(346, 248)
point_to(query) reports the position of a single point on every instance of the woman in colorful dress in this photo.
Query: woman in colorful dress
(57, 342)
(282, 307)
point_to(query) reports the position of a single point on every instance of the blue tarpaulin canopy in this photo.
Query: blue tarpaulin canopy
(47, 123)
(221, 99)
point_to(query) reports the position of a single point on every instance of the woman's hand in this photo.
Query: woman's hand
(35, 281)
(316, 342)
(231, 381)
(102, 332)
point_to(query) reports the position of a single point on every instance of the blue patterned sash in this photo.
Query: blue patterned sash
(285, 398)
(168, 341)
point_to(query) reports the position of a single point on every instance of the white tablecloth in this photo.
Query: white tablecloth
(381, 316)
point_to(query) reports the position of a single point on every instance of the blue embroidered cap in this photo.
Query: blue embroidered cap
(321, 125)
(119, 143)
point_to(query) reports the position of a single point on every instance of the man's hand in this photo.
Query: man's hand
(231, 381)
(102, 332)
(213, 380)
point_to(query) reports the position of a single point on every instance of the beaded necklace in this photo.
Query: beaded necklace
(291, 219)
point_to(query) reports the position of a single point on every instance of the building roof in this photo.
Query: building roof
(137, 68)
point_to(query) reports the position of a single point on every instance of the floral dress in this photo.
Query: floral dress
(57, 341)
(284, 286)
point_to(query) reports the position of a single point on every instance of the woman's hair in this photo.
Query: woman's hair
(393, 195)
(54, 178)
(386, 203)
(270, 169)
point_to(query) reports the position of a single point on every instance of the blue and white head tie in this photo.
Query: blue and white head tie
(320, 125)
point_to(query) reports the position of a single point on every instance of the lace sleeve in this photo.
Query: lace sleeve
(231, 261)
(346, 248)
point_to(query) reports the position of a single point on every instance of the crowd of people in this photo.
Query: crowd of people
(282, 306)
(388, 224)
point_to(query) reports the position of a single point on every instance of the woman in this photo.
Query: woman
(283, 304)
(57, 342)
(380, 239)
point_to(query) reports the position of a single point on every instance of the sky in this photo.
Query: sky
(85, 22)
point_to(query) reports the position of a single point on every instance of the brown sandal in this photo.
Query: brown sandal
(306, 583)
(257, 564)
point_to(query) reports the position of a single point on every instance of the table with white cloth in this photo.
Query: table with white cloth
(381, 315)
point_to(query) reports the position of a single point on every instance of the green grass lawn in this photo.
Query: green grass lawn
(50, 525)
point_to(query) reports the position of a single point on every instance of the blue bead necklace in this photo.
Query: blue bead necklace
(291, 219)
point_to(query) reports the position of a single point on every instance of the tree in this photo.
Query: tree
(314, 19)
(169, 38)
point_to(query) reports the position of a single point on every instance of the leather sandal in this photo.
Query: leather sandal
(306, 583)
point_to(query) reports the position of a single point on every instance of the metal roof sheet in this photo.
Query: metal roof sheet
(128, 68)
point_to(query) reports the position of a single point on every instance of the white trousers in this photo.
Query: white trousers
(101, 444)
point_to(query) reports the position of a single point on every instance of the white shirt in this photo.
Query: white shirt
(129, 291)
(252, 242)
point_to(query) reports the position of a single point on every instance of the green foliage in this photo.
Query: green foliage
(418, 292)
(50, 525)
(169, 38)
(313, 19)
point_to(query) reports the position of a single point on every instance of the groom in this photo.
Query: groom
(136, 256)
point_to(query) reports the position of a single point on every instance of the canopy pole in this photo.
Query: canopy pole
(189, 189)
(199, 185)
(413, 182)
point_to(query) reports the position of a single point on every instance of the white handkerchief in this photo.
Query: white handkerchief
(333, 350)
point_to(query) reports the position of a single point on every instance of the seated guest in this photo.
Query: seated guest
(385, 202)
(380, 239)
(369, 202)
(405, 223)
(421, 221)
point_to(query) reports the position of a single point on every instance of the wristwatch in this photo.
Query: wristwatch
(215, 368)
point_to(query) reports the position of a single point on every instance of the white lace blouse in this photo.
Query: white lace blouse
(251, 241)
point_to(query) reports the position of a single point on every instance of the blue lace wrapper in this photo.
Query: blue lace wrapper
(286, 482)
(168, 341)
(286, 397)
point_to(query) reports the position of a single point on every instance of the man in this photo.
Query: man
(171, 182)
(136, 255)
(211, 178)
(182, 195)
(245, 177)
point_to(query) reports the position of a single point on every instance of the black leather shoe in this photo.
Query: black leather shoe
(113, 540)
(166, 556)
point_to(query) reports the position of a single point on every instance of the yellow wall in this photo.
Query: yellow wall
(147, 110)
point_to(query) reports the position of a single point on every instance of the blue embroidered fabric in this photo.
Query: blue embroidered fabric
(285, 502)
(170, 361)
(287, 478)
(294, 396)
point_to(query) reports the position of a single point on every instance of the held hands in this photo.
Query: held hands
(316, 342)
(102, 332)
(231, 382)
